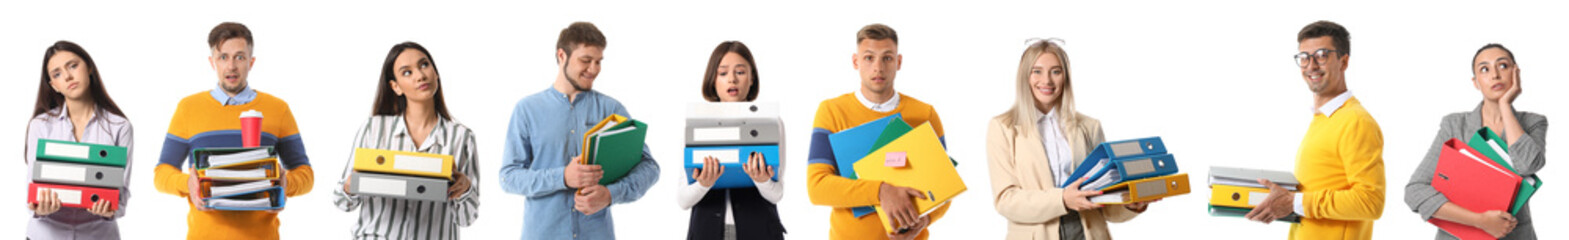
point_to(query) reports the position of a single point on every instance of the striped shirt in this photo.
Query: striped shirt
(392, 218)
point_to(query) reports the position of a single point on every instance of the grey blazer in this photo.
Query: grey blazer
(1528, 153)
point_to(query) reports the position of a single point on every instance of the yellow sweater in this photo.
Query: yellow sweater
(1341, 168)
(201, 122)
(824, 185)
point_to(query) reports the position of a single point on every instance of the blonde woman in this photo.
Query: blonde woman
(1033, 147)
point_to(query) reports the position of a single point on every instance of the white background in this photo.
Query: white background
(1213, 79)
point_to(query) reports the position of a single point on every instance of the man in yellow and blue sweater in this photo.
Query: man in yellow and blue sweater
(211, 119)
(877, 58)
(1340, 163)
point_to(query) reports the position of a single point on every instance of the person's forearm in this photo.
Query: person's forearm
(1512, 127)
(689, 194)
(301, 180)
(1456, 213)
(637, 182)
(516, 179)
(168, 179)
(772, 190)
(825, 188)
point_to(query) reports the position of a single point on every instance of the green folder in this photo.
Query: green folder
(1220, 211)
(618, 149)
(1484, 141)
(895, 129)
(67, 151)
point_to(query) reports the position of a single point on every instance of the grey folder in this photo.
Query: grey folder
(399, 186)
(732, 131)
(78, 174)
(1249, 177)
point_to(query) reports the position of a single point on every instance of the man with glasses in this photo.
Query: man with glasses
(1340, 163)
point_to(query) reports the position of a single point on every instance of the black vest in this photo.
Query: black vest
(755, 217)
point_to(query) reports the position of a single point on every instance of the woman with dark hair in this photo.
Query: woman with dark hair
(73, 106)
(410, 115)
(1496, 75)
(744, 213)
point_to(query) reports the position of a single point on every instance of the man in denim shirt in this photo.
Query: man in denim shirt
(541, 158)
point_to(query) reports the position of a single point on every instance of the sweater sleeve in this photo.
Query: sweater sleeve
(1361, 150)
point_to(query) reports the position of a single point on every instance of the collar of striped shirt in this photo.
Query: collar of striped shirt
(437, 134)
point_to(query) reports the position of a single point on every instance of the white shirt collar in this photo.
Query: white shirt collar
(878, 107)
(1048, 116)
(1333, 105)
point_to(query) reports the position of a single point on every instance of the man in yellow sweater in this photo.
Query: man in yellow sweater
(877, 58)
(1340, 163)
(211, 119)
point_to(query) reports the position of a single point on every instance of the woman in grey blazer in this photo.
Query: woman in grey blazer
(1496, 75)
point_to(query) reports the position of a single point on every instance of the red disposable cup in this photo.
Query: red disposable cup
(250, 128)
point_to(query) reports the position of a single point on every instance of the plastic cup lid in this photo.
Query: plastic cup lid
(251, 113)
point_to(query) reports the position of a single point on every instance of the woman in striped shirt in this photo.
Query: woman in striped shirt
(410, 115)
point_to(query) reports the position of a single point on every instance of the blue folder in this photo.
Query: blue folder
(275, 194)
(1105, 152)
(850, 145)
(735, 172)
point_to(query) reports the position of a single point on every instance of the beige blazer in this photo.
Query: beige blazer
(1022, 186)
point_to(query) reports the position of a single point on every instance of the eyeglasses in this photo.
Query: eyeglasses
(1319, 56)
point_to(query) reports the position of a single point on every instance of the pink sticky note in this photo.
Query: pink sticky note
(894, 159)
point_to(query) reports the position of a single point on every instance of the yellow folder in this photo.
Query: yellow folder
(402, 162)
(925, 167)
(1144, 189)
(608, 122)
(1236, 196)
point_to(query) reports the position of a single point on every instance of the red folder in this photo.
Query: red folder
(76, 196)
(1474, 182)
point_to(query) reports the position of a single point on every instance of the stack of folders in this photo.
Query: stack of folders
(238, 179)
(616, 145)
(400, 174)
(1130, 171)
(1235, 191)
(1479, 177)
(80, 174)
(909, 157)
(732, 133)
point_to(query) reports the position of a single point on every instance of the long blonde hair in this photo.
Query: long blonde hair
(1024, 114)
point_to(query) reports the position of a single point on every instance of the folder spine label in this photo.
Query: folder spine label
(1129, 148)
(1138, 166)
(62, 172)
(383, 186)
(723, 155)
(1154, 188)
(67, 196)
(56, 149)
(716, 134)
(417, 163)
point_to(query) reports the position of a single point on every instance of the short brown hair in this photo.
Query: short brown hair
(580, 33)
(229, 30)
(1337, 35)
(876, 31)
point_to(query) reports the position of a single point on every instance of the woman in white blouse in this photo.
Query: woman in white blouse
(737, 213)
(410, 115)
(73, 106)
(1033, 148)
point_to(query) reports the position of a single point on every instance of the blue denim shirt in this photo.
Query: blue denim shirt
(545, 132)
